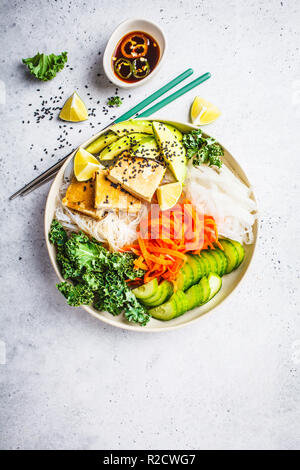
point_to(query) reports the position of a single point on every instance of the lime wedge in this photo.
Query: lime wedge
(74, 109)
(85, 165)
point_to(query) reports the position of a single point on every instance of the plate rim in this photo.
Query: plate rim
(136, 327)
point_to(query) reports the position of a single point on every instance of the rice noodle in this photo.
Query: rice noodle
(115, 228)
(218, 192)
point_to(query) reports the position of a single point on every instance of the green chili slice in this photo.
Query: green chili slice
(141, 67)
(123, 68)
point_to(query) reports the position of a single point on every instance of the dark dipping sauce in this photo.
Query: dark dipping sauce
(135, 57)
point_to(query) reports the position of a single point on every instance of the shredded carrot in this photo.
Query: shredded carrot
(139, 264)
(164, 238)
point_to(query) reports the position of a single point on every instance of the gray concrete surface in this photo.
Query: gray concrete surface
(230, 381)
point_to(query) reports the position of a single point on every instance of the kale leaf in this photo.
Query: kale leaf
(68, 270)
(45, 67)
(57, 235)
(76, 295)
(98, 277)
(135, 312)
(201, 149)
(84, 253)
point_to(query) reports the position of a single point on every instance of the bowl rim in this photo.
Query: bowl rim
(133, 326)
(107, 58)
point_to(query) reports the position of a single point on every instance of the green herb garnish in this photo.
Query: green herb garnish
(45, 67)
(114, 101)
(201, 149)
(98, 276)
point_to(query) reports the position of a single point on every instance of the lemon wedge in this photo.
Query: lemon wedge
(168, 195)
(74, 109)
(85, 165)
(203, 112)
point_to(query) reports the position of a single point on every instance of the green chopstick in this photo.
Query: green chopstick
(175, 95)
(157, 94)
(51, 172)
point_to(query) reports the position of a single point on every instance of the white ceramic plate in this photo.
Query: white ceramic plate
(230, 281)
(127, 27)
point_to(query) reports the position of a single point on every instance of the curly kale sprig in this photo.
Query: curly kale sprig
(76, 295)
(45, 67)
(98, 276)
(201, 149)
(57, 235)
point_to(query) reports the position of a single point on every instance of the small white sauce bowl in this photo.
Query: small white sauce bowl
(122, 30)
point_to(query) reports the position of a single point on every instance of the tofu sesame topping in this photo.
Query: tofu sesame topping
(137, 175)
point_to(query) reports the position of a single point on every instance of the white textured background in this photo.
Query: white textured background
(232, 379)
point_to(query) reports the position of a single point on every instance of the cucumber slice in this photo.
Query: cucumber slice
(164, 291)
(204, 263)
(188, 276)
(205, 289)
(102, 141)
(185, 278)
(220, 261)
(196, 268)
(182, 303)
(194, 296)
(146, 290)
(179, 282)
(215, 284)
(224, 258)
(240, 250)
(231, 254)
(211, 261)
(166, 311)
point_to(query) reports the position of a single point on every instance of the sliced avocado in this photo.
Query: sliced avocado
(147, 148)
(127, 127)
(175, 131)
(172, 150)
(102, 141)
(121, 145)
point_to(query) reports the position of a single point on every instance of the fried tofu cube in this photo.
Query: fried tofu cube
(109, 195)
(138, 176)
(80, 196)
